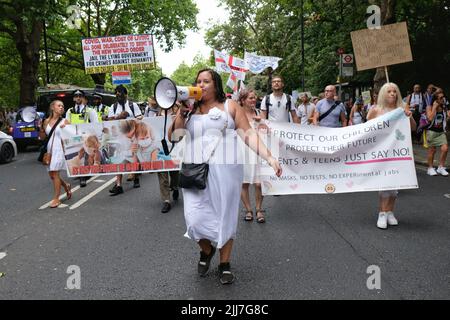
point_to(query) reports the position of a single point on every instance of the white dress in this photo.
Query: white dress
(213, 213)
(252, 169)
(58, 161)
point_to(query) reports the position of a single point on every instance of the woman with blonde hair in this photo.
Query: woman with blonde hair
(389, 99)
(55, 148)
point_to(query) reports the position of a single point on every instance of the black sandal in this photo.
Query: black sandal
(249, 216)
(261, 218)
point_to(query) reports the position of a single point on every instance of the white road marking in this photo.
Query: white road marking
(92, 194)
(447, 195)
(65, 194)
(99, 181)
(2, 255)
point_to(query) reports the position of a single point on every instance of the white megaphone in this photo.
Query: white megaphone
(167, 93)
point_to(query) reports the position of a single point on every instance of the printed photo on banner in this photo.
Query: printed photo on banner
(121, 146)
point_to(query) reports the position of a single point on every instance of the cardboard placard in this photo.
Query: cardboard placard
(374, 48)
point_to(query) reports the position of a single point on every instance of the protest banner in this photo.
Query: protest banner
(374, 48)
(257, 64)
(118, 53)
(119, 146)
(376, 155)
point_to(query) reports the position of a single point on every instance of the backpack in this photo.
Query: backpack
(268, 104)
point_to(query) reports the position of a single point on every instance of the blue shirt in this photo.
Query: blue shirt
(332, 120)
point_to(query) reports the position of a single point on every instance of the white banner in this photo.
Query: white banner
(119, 146)
(376, 155)
(221, 60)
(257, 64)
(118, 53)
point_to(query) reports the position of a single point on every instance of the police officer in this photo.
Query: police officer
(123, 109)
(81, 113)
(100, 108)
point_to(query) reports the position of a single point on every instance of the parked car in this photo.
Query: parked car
(8, 148)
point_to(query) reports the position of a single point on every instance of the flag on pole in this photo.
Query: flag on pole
(257, 64)
(233, 81)
(238, 66)
(221, 60)
(242, 86)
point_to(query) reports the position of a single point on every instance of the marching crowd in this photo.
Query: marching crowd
(211, 213)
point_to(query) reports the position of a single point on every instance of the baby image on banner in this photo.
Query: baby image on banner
(120, 146)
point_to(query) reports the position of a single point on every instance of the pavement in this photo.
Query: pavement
(420, 156)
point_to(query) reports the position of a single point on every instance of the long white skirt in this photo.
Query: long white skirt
(213, 213)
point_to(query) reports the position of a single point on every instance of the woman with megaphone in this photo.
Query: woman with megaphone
(211, 212)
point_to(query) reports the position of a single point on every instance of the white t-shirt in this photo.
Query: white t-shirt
(305, 112)
(127, 108)
(277, 108)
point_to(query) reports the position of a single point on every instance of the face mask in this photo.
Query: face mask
(145, 143)
(89, 151)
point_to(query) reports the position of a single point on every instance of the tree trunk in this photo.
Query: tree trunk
(99, 78)
(387, 17)
(28, 47)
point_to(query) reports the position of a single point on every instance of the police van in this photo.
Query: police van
(28, 121)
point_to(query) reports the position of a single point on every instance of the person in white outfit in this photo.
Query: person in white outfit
(54, 146)
(389, 98)
(247, 100)
(212, 214)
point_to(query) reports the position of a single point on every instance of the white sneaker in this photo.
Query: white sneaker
(391, 219)
(442, 171)
(382, 220)
(431, 172)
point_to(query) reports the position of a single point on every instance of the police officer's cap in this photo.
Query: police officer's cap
(79, 93)
(121, 89)
(97, 96)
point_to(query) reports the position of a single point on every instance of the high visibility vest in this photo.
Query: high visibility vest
(101, 113)
(78, 118)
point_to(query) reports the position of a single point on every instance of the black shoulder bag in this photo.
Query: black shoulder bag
(195, 175)
(328, 112)
(43, 148)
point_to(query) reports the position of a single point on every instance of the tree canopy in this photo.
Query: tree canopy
(273, 27)
(23, 23)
